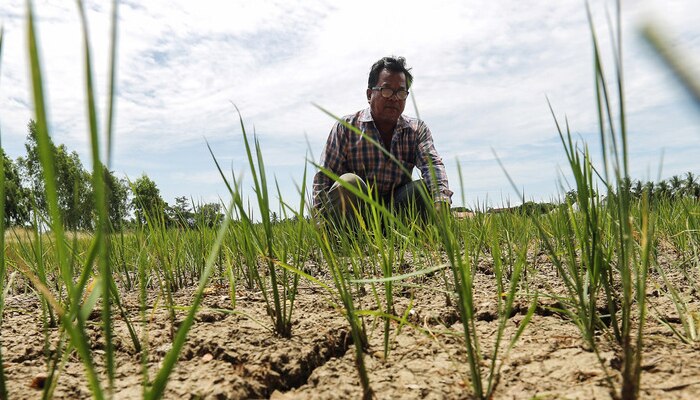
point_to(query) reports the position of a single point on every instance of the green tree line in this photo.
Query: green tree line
(129, 203)
(673, 188)
(686, 186)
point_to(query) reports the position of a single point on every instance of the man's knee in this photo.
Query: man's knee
(413, 197)
(343, 199)
(351, 179)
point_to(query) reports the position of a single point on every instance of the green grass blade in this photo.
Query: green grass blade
(673, 59)
(45, 150)
(100, 200)
(218, 167)
(308, 277)
(76, 333)
(112, 81)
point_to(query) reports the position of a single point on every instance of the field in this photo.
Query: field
(593, 297)
(234, 351)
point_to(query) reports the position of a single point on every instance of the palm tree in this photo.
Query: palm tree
(637, 189)
(626, 184)
(676, 188)
(691, 184)
(662, 190)
(649, 188)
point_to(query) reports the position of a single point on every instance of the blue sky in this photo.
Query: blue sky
(482, 70)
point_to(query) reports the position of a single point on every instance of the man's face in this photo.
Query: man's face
(387, 111)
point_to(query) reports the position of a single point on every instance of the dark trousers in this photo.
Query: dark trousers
(409, 199)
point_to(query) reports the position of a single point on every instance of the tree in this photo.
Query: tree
(208, 214)
(73, 186)
(532, 208)
(571, 197)
(691, 187)
(16, 196)
(676, 188)
(117, 192)
(637, 189)
(662, 190)
(649, 188)
(147, 203)
(182, 213)
(625, 185)
(30, 168)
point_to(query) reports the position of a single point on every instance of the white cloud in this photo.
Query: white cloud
(482, 72)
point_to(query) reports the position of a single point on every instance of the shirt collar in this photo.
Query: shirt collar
(366, 116)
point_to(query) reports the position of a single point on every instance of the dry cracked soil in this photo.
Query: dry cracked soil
(233, 353)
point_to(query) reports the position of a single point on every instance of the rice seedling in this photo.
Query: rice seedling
(633, 266)
(157, 387)
(120, 254)
(75, 330)
(508, 277)
(689, 318)
(81, 297)
(102, 221)
(383, 255)
(245, 254)
(298, 239)
(679, 226)
(265, 241)
(601, 254)
(156, 240)
(342, 284)
(463, 256)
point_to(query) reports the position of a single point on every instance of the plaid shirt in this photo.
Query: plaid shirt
(412, 144)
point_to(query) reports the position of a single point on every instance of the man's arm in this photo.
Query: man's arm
(430, 164)
(332, 159)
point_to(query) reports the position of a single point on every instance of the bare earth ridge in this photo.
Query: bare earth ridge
(235, 355)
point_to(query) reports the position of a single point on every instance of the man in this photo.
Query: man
(362, 161)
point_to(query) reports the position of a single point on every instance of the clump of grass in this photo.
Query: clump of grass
(378, 227)
(266, 242)
(369, 233)
(678, 222)
(71, 318)
(463, 255)
(601, 256)
(341, 279)
(72, 300)
(158, 386)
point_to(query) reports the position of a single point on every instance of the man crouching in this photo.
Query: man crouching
(363, 161)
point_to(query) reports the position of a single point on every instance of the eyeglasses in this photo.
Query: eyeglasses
(386, 92)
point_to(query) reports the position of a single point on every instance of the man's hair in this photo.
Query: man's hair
(392, 64)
